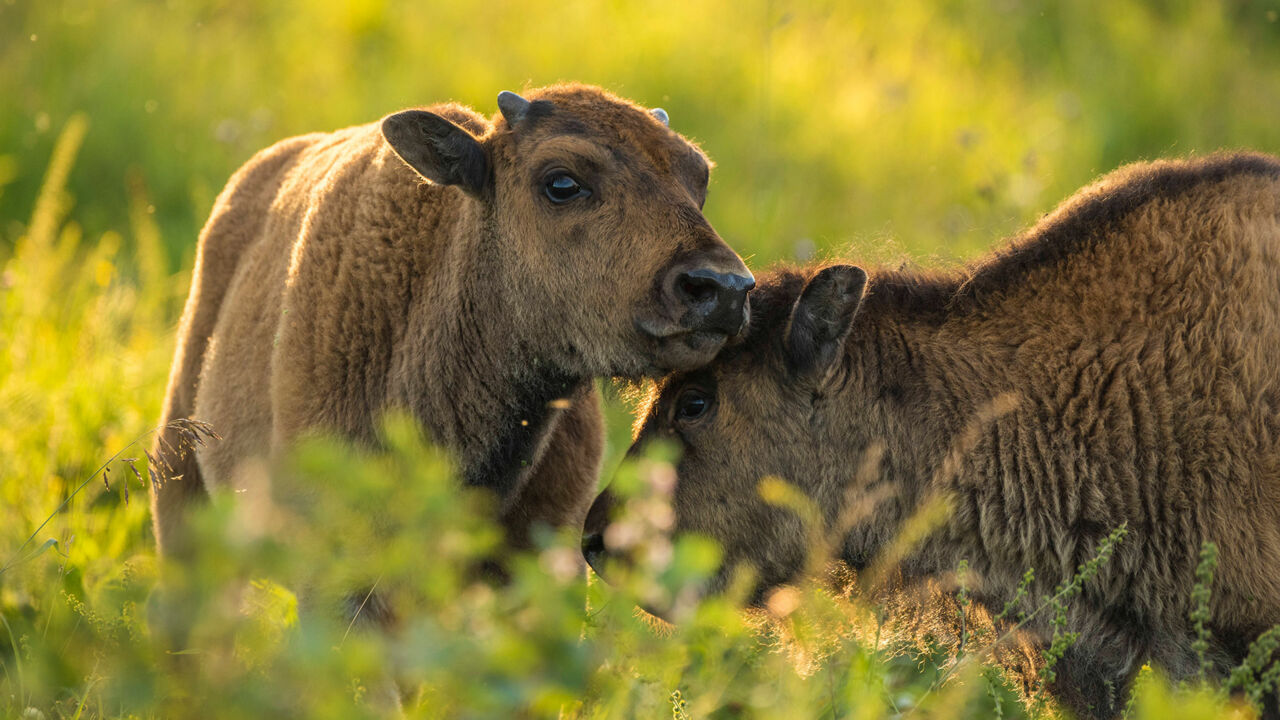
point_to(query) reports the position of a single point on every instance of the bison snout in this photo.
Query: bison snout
(593, 551)
(711, 301)
(597, 521)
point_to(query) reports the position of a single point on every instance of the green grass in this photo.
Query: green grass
(920, 130)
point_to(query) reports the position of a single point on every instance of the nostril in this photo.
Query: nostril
(712, 301)
(592, 546)
(696, 290)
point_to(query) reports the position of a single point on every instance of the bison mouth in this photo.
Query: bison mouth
(671, 608)
(594, 552)
(688, 350)
(673, 347)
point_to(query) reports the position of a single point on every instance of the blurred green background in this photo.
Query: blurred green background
(911, 130)
(937, 127)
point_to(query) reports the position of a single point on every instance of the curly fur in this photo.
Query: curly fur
(1114, 364)
(334, 283)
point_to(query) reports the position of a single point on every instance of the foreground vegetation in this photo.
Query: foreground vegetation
(123, 120)
(254, 625)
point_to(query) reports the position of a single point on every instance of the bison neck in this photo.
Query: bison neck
(483, 384)
(507, 446)
(965, 417)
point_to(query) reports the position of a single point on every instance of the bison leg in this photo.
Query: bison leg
(1093, 678)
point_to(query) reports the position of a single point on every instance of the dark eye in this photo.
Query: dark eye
(691, 405)
(561, 188)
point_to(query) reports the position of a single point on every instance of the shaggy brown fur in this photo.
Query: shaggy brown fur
(334, 283)
(1115, 364)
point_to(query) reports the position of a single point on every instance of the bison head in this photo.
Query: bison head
(782, 406)
(591, 227)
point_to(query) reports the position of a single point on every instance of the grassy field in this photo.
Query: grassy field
(908, 131)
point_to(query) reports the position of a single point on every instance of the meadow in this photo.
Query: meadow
(915, 132)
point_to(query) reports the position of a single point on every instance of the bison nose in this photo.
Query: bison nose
(593, 550)
(715, 301)
(597, 521)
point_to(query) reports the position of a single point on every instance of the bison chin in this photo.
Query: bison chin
(670, 347)
(685, 351)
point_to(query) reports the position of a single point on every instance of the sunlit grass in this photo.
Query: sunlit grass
(921, 129)
(938, 126)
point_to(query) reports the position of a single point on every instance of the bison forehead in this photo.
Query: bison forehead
(595, 114)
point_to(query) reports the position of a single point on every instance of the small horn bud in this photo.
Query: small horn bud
(513, 107)
(661, 115)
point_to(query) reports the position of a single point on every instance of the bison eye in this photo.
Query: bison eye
(561, 188)
(691, 405)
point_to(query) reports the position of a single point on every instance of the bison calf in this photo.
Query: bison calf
(474, 273)
(1114, 365)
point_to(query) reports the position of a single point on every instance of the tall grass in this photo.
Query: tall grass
(259, 625)
(914, 128)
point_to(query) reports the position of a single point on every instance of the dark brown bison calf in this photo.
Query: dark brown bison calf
(1114, 365)
(475, 273)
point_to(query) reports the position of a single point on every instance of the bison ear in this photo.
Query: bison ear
(438, 150)
(821, 318)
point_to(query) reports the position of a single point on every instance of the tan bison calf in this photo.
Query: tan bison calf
(1136, 329)
(475, 273)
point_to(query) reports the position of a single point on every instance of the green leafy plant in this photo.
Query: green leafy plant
(122, 120)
